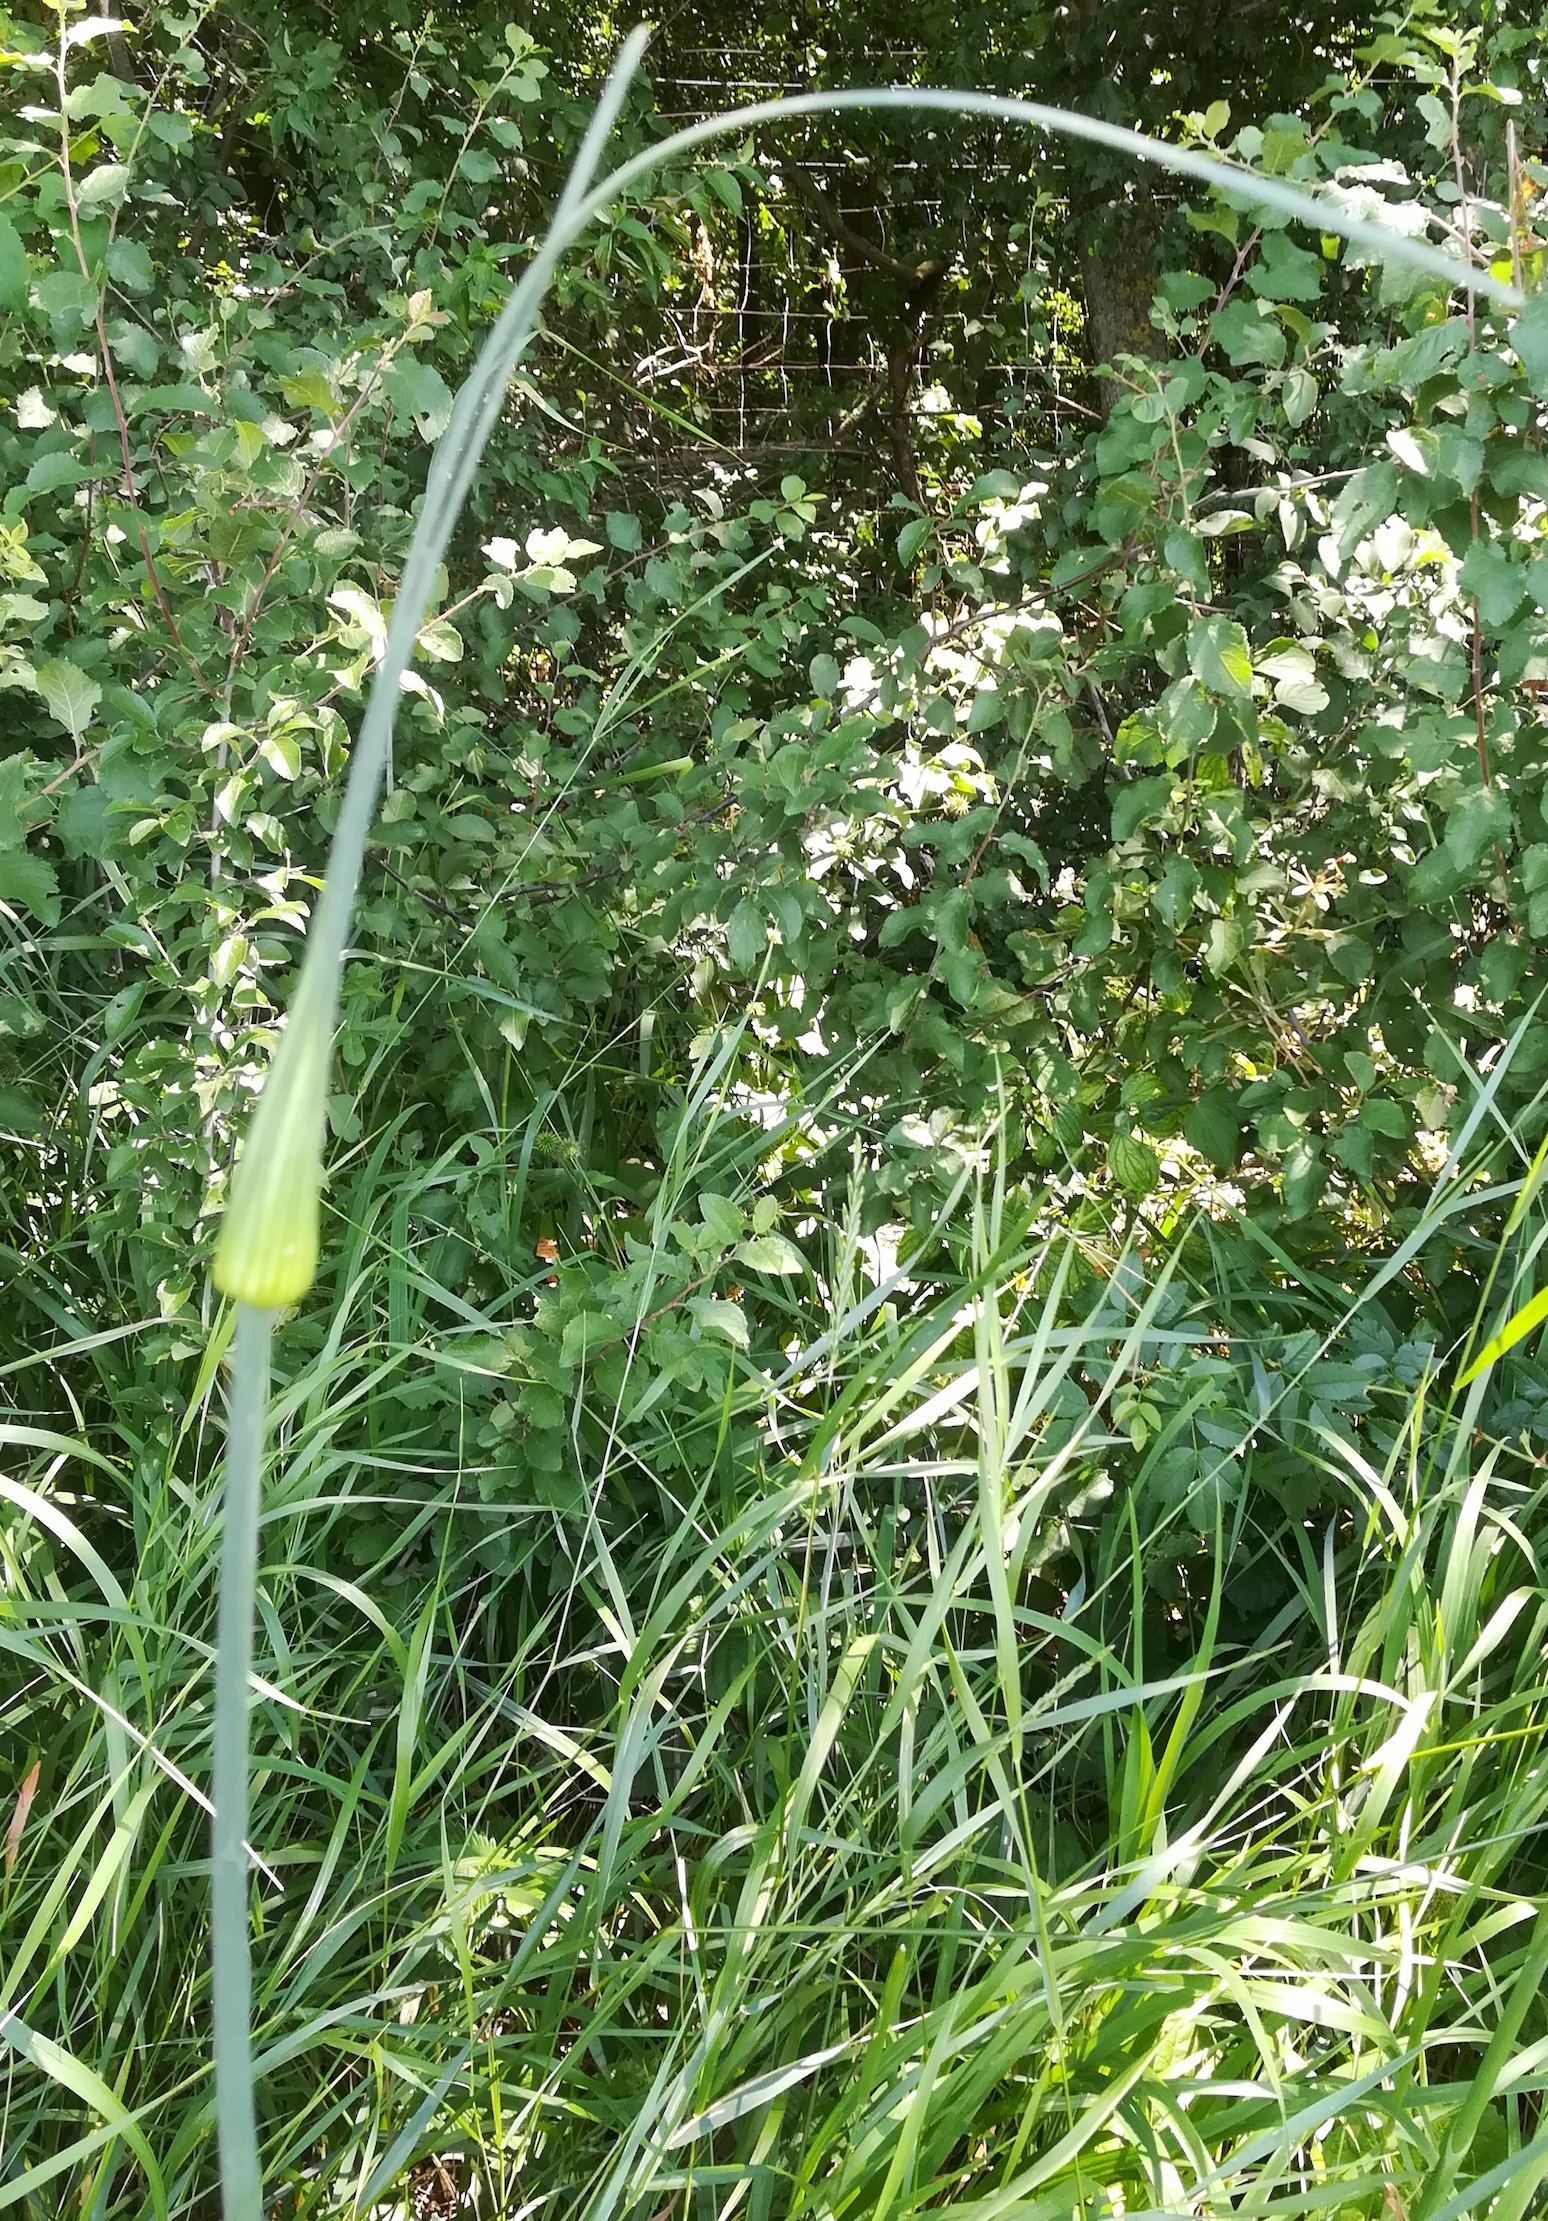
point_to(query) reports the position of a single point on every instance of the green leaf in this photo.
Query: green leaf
(1139, 803)
(1436, 877)
(1286, 272)
(1499, 584)
(440, 641)
(1516, 1328)
(29, 882)
(69, 301)
(1184, 554)
(15, 279)
(1213, 1127)
(1529, 337)
(623, 531)
(586, 1332)
(1294, 673)
(725, 188)
(1380, 1115)
(309, 389)
(1298, 397)
(747, 935)
(723, 1219)
(771, 1253)
(825, 676)
(281, 751)
(912, 538)
(1306, 1175)
(102, 187)
(1218, 655)
(418, 391)
(1248, 332)
(1354, 1146)
(1228, 935)
(85, 2085)
(715, 1316)
(1172, 898)
(71, 696)
(130, 266)
(1133, 1164)
(13, 794)
(20, 1113)
(1479, 821)
(133, 345)
(1186, 712)
(56, 469)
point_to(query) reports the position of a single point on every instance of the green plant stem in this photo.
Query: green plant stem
(236, 2126)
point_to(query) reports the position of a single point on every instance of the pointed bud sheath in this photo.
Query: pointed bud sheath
(267, 1252)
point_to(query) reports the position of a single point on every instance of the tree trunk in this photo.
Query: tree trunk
(1118, 276)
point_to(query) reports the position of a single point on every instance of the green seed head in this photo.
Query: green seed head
(267, 1252)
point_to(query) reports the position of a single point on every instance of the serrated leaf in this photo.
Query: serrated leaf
(1306, 1175)
(1248, 332)
(30, 883)
(1186, 713)
(1286, 272)
(1133, 1164)
(586, 1332)
(134, 345)
(50, 472)
(419, 393)
(71, 696)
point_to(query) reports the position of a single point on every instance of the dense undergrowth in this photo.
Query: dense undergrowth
(881, 1589)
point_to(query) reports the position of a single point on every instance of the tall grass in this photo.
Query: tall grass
(800, 1889)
